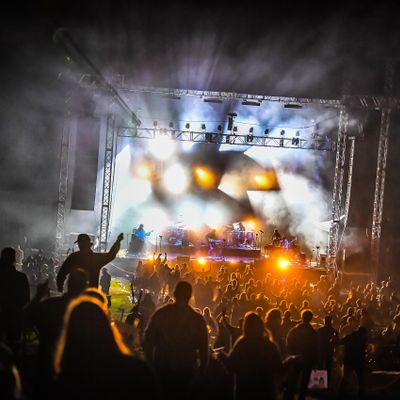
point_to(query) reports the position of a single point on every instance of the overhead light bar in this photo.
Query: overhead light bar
(212, 100)
(293, 105)
(250, 103)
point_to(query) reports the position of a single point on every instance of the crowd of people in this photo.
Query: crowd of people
(232, 331)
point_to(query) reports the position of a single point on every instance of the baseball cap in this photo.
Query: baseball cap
(82, 237)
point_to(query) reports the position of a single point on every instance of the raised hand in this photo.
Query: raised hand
(120, 237)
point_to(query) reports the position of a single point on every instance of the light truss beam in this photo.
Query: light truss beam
(322, 144)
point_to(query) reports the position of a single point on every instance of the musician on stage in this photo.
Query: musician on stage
(276, 238)
(211, 238)
(138, 238)
(140, 233)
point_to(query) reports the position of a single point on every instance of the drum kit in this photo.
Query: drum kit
(241, 238)
(178, 236)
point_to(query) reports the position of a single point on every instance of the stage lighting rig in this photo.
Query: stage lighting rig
(187, 126)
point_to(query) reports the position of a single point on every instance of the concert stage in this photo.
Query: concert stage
(125, 266)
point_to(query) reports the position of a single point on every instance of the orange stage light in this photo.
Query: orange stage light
(205, 177)
(250, 224)
(283, 264)
(143, 171)
(202, 260)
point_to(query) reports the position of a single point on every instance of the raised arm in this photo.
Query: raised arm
(116, 246)
(65, 269)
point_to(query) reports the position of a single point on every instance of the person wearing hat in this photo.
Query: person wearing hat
(86, 259)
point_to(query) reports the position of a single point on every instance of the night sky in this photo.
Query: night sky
(289, 49)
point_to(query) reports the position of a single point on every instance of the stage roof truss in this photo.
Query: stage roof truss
(317, 143)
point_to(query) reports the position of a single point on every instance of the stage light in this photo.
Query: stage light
(202, 260)
(204, 177)
(235, 128)
(187, 126)
(293, 105)
(175, 179)
(282, 132)
(250, 225)
(161, 147)
(203, 127)
(219, 128)
(155, 123)
(249, 138)
(171, 124)
(251, 130)
(297, 133)
(251, 103)
(266, 132)
(282, 263)
(143, 171)
(261, 181)
(150, 257)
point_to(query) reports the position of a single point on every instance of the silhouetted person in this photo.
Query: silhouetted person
(254, 360)
(47, 317)
(86, 259)
(91, 362)
(302, 340)
(273, 322)
(105, 281)
(355, 344)
(14, 295)
(328, 339)
(176, 343)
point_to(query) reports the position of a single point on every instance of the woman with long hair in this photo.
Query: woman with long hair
(254, 360)
(91, 361)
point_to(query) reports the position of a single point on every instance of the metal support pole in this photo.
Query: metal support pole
(381, 171)
(333, 238)
(352, 141)
(107, 182)
(62, 187)
(379, 191)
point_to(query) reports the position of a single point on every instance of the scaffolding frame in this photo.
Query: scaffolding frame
(384, 103)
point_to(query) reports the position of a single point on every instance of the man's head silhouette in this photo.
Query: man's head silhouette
(83, 241)
(307, 316)
(183, 292)
(8, 256)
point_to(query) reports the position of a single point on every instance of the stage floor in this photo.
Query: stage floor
(124, 266)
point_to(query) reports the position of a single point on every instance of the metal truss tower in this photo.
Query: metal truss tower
(381, 172)
(107, 181)
(333, 239)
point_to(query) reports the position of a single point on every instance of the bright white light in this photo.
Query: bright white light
(175, 179)
(154, 218)
(128, 191)
(187, 146)
(232, 185)
(191, 212)
(215, 215)
(161, 147)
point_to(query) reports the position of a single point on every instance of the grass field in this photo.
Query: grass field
(120, 292)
